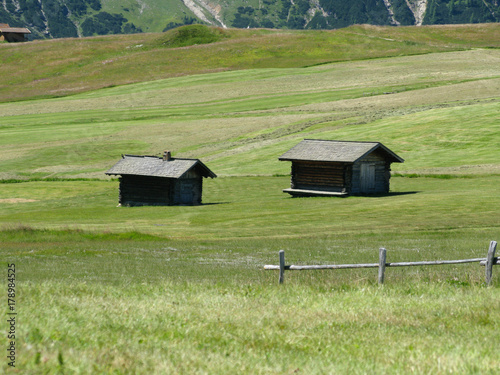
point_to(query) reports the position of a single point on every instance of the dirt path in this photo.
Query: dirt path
(16, 200)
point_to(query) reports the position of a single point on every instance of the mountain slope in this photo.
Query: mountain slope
(77, 18)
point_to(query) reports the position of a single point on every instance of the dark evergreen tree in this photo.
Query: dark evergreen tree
(60, 26)
(32, 14)
(318, 22)
(103, 23)
(130, 28)
(186, 21)
(78, 8)
(402, 12)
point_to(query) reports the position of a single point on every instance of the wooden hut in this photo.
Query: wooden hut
(339, 168)
(156, 181)
(13, 34)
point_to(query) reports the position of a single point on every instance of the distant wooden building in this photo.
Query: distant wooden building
(155, 181)
(13, 34)
(339, 168)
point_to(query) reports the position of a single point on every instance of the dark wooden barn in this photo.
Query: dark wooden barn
(13, 34)
(339, 168)
(155, 181)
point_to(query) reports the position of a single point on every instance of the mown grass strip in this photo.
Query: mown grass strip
(57, 66)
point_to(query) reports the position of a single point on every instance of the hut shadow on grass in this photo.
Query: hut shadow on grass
(390, 194)
(378, 195)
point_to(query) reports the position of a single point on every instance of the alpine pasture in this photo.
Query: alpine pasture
(182, 290)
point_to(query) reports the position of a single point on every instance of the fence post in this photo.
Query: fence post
(382, 255)
(282, 266)
(489, 262)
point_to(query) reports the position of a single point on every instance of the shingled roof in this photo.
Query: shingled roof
(336, 151)
(5, 28)
(157, 167)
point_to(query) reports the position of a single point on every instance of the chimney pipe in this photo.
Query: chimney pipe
(167, 156)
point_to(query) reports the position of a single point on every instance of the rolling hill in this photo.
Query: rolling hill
(246, 96)
(62, 67)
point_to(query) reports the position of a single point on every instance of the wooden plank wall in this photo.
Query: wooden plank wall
(382, 174)
(158, 191)
(13, 37)
(143, 190)
(324, 176)
(187, 191)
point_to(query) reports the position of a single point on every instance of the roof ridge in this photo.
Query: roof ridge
(336, 140)
(335, 151)
(141, 156)
(157, 157)
(144, 165)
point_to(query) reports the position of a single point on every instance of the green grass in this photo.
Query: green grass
(151, 16)
(240, 122)
(256, 208)
(122, 304)
(181, 290)
(170, 327)
(191, 35)
(67, 66)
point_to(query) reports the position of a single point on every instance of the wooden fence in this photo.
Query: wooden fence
(488, 262)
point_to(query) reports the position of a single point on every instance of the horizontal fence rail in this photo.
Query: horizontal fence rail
(496, 261)
(375, 265)
(488, 262)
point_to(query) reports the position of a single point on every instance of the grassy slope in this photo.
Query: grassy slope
(423, 107)
(181, 289)
(146, 14)
(61, 67)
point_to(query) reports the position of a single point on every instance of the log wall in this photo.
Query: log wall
(145, 191)
(13, 37)
(369, 175)
(322, 176)
(157, 191)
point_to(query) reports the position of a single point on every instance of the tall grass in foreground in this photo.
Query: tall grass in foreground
(80, 327)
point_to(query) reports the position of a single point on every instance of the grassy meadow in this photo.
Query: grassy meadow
(182, 290)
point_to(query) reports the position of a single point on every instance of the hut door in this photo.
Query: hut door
(186, 192)
(367, 178)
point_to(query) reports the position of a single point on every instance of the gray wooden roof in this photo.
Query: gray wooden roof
(336, 151)
(157, 167)
(4, 28)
